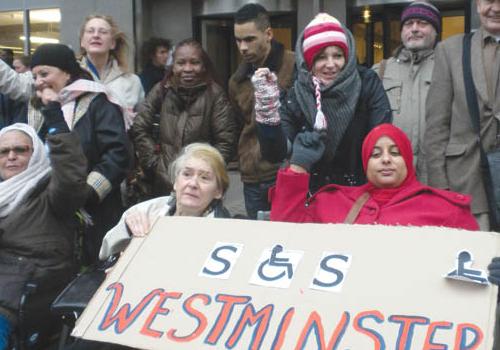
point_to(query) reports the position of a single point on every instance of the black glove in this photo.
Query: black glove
(308, 148)
(494, 271)
(54, 119)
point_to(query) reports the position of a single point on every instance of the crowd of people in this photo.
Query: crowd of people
(91, 153)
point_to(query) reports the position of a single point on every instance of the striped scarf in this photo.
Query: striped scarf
(337, 101)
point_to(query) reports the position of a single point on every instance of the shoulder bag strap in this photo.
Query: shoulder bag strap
(470, 88)
(356, 208)
(473, 106)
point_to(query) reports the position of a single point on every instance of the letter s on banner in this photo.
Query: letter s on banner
(331, 272)
(221, 260)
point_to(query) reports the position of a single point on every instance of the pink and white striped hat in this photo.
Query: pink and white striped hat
(323, 31)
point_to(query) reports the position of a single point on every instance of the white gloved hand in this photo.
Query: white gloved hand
(267, 96)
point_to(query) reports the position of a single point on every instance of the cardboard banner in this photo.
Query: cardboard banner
(197, 283)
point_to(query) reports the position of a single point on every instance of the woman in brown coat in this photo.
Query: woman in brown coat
(192, 107)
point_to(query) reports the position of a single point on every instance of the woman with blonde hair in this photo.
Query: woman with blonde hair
(104, 56)
(104, 50)
(200, 181)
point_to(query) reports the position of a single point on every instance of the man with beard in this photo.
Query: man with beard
(407, 75)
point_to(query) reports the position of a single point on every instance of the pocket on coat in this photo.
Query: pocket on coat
(393, 90)
(455, 149)
(457, 175)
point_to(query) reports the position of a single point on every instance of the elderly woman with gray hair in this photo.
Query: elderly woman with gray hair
(200, 181)
(38, 202)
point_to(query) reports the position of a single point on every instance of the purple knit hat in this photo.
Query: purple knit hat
(425, 11)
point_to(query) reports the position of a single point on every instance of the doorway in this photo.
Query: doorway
(376, 28)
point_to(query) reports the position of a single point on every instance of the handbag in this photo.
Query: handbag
(490, 161)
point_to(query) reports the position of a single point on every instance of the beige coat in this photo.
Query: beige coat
(406, 80)
(451, 142)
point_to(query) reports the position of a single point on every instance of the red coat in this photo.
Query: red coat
(414, 205)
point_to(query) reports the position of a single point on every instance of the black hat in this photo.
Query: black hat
(56, 55)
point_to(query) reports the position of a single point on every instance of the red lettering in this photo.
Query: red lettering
(407, 326)
(123, 318)
(314, 323)
(229, 301)
(158, 310)
(429, 338)
(249, 316)
(282, 329)
(375, 336)
(191, 311)
(461, 337)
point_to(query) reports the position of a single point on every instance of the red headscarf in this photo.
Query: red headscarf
(382, 195)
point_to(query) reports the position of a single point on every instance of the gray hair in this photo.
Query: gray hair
(207, 153)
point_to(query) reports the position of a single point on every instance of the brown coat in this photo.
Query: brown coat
(450, 141)
(241, 93)
(199, 114)
(37, 238)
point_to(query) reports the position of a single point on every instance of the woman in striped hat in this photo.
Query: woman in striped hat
(333, 98)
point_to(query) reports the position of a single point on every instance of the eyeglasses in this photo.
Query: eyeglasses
(18, 150)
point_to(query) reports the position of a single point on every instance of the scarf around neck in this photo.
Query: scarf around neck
(338, 100)
(16, 189)
(111, 72)
(187, 95)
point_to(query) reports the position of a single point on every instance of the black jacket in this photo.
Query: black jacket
(345, 168)
(150, 76)
(106, 146)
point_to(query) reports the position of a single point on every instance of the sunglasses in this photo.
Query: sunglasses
(18, 150)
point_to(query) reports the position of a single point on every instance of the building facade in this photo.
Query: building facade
(25, 24)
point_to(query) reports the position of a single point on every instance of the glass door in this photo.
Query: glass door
(376, 29)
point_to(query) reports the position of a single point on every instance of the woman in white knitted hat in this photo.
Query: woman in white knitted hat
(332, 96)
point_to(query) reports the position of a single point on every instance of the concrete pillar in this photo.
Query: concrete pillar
(172, 19)
(306, 10)
(336, 8)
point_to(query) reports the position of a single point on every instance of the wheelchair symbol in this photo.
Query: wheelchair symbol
(275, 261)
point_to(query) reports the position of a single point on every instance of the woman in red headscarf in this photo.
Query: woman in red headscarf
(392, 196)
